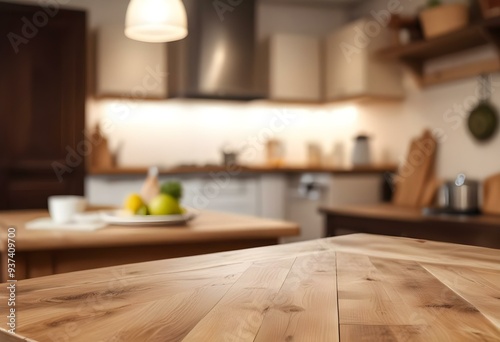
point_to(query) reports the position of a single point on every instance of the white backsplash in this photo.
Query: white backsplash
(193, 131)
(173, 132)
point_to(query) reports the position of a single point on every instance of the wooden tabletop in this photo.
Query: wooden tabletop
(350, 288)
(207, 226)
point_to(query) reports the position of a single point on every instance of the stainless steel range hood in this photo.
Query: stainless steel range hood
(217, 59)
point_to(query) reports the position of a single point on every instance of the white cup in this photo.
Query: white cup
(62, 209)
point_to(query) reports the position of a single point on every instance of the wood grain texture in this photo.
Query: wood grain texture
(478, 286)
(241, 312)
(307, 300)
(5, 336)
(350, 288)
(388, 292)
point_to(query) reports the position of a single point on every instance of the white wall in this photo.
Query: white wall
(298, 19)
(408, 7)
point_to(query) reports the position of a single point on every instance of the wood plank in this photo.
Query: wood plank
(5, 336)
(307, 299)
(170, 305)
(380, 333)
(239, 315)
(71, 260)
(417, 250)
(461, 72)
(387, 292)
(480, 287)
(131, 171)
(169, 266)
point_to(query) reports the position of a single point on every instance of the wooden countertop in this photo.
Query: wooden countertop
(242, 169)
(349, 288)
(388, 219)
(206, 227)
(403, 214)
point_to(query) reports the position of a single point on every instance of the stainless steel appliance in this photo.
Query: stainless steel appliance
(217, 60)
(361, 155)
(460, 195)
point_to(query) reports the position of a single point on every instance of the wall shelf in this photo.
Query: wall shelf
(415, 55)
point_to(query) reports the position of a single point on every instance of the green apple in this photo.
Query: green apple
(173, 189)
(164, 205)
(143, 210)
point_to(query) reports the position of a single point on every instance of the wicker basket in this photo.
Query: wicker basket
(443, 19)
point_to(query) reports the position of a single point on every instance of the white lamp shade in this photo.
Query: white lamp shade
(156, 21)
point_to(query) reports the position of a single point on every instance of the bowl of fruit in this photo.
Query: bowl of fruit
(154, 205)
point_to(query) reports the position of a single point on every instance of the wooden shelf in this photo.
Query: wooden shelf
(416, 54)
(181, 170)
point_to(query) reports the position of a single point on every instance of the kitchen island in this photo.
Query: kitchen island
(350, 288)
(46, 252)
(389, 219)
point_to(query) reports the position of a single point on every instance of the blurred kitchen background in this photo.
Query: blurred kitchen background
(169, 126)
(303, 79)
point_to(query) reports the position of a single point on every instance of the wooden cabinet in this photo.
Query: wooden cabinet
(352, 69)
(295, 68)
(129, 68)
(42, 101)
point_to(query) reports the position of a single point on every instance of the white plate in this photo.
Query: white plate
(125, 218)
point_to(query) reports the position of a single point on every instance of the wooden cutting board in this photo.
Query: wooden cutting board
(402, 191)
(491, 195)
(416, 182)
(101, 156)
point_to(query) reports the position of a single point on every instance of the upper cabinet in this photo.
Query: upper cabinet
(129, 68)
(295, 68)
(353, 71)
